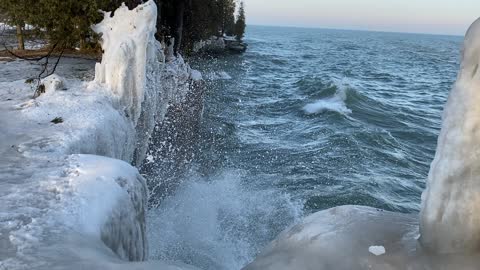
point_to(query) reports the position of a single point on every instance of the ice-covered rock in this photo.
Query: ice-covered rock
(213, 44)
(450, 217)
(69, 197)
(53, 83)
(339, 238)
(342, 238)
(48, 192)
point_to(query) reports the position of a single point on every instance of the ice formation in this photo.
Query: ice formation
(131, 54)
(341, 238)
(450, 217)
(70, 198)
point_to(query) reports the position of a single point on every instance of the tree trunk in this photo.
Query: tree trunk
(83, 44)
(20, 40)
(179, 31)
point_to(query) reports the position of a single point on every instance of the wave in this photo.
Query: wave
(219, 222)
(334, 104)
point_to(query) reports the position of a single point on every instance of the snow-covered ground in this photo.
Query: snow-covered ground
(69, 197)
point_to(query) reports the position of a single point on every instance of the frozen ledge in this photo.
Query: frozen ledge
(342, 238)
(69, 197)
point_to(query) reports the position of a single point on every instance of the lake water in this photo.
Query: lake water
(306, 120)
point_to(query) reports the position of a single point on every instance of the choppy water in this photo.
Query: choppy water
(310, 119)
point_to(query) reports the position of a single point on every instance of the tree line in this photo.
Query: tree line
(66, 23)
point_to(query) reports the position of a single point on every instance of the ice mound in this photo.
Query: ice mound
(333, 104)
(340, 239)
(110, 203)
(450, 217)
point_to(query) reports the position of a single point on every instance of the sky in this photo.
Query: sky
(414, 16)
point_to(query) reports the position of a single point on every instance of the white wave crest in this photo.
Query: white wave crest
(334, 104)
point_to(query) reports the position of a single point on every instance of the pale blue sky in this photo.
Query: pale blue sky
(418, 16)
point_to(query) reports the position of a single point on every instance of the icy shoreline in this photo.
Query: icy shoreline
(70, 198)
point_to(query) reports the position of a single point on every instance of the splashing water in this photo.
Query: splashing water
(265, 158)
(218, 223)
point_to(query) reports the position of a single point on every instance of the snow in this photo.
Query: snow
(377, 250)
(47, 190)
(450, 220)
(53, 83)
(4, 26)
(70, 197)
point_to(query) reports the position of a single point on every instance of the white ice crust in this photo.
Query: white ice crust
(69, 197)
(450, 217)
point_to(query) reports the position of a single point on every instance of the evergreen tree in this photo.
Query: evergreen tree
(226, 15)
(15, 15)
(240, 24)
(65, 22)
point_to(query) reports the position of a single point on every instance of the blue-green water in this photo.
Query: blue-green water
(310, 119)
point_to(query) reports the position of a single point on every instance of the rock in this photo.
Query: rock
(53, 83)
(236, 46)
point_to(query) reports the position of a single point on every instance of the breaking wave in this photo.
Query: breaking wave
(335, 103)
(219, 222)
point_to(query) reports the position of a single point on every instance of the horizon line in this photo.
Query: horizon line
(359, 30)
